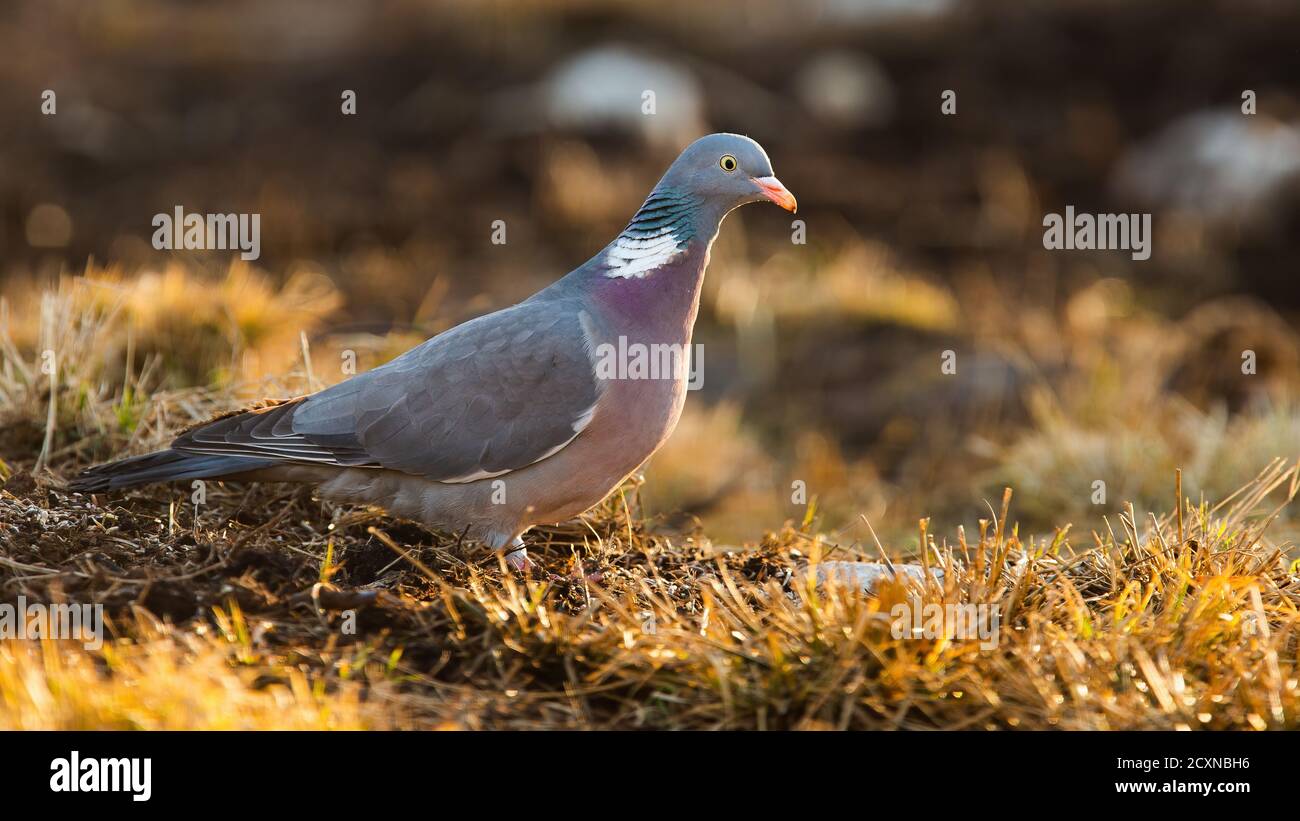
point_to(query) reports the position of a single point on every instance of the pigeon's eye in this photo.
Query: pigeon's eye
(728, 163)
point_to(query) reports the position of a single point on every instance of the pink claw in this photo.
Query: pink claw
(518, 560)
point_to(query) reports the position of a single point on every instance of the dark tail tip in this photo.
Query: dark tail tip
(162, 466)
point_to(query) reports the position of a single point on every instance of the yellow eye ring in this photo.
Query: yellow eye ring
(728, 163)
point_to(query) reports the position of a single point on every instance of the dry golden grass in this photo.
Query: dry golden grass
(164, 679)
(1135, 628)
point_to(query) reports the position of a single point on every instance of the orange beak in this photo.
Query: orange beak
(776, 192)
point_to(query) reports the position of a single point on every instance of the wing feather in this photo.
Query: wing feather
(484, 399)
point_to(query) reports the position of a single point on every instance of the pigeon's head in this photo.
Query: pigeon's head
(728, 170)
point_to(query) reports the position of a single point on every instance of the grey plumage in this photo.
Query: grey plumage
(485, 398)
(162, 466)
(502, 422)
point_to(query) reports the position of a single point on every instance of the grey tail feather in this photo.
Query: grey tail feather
(161, 466)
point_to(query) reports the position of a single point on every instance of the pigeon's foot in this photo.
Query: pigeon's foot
(517, 558)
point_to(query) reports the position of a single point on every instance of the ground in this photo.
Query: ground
(271, 609)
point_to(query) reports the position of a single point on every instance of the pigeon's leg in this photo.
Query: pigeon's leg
(516, 555)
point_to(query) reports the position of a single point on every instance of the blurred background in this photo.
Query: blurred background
(822, 359)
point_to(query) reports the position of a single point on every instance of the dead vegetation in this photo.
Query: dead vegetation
(280, 614)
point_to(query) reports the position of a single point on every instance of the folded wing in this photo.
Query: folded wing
(486, 398)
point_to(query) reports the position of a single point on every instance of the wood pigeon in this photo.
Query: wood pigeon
(521, 417)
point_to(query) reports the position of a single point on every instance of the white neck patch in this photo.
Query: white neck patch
(635, 258)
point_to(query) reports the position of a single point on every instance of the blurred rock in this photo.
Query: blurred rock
(869, 12)
(1220, 164)
(846, 90)
(605, 89)
(868, 576)
(48, 226)
(88, 130)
